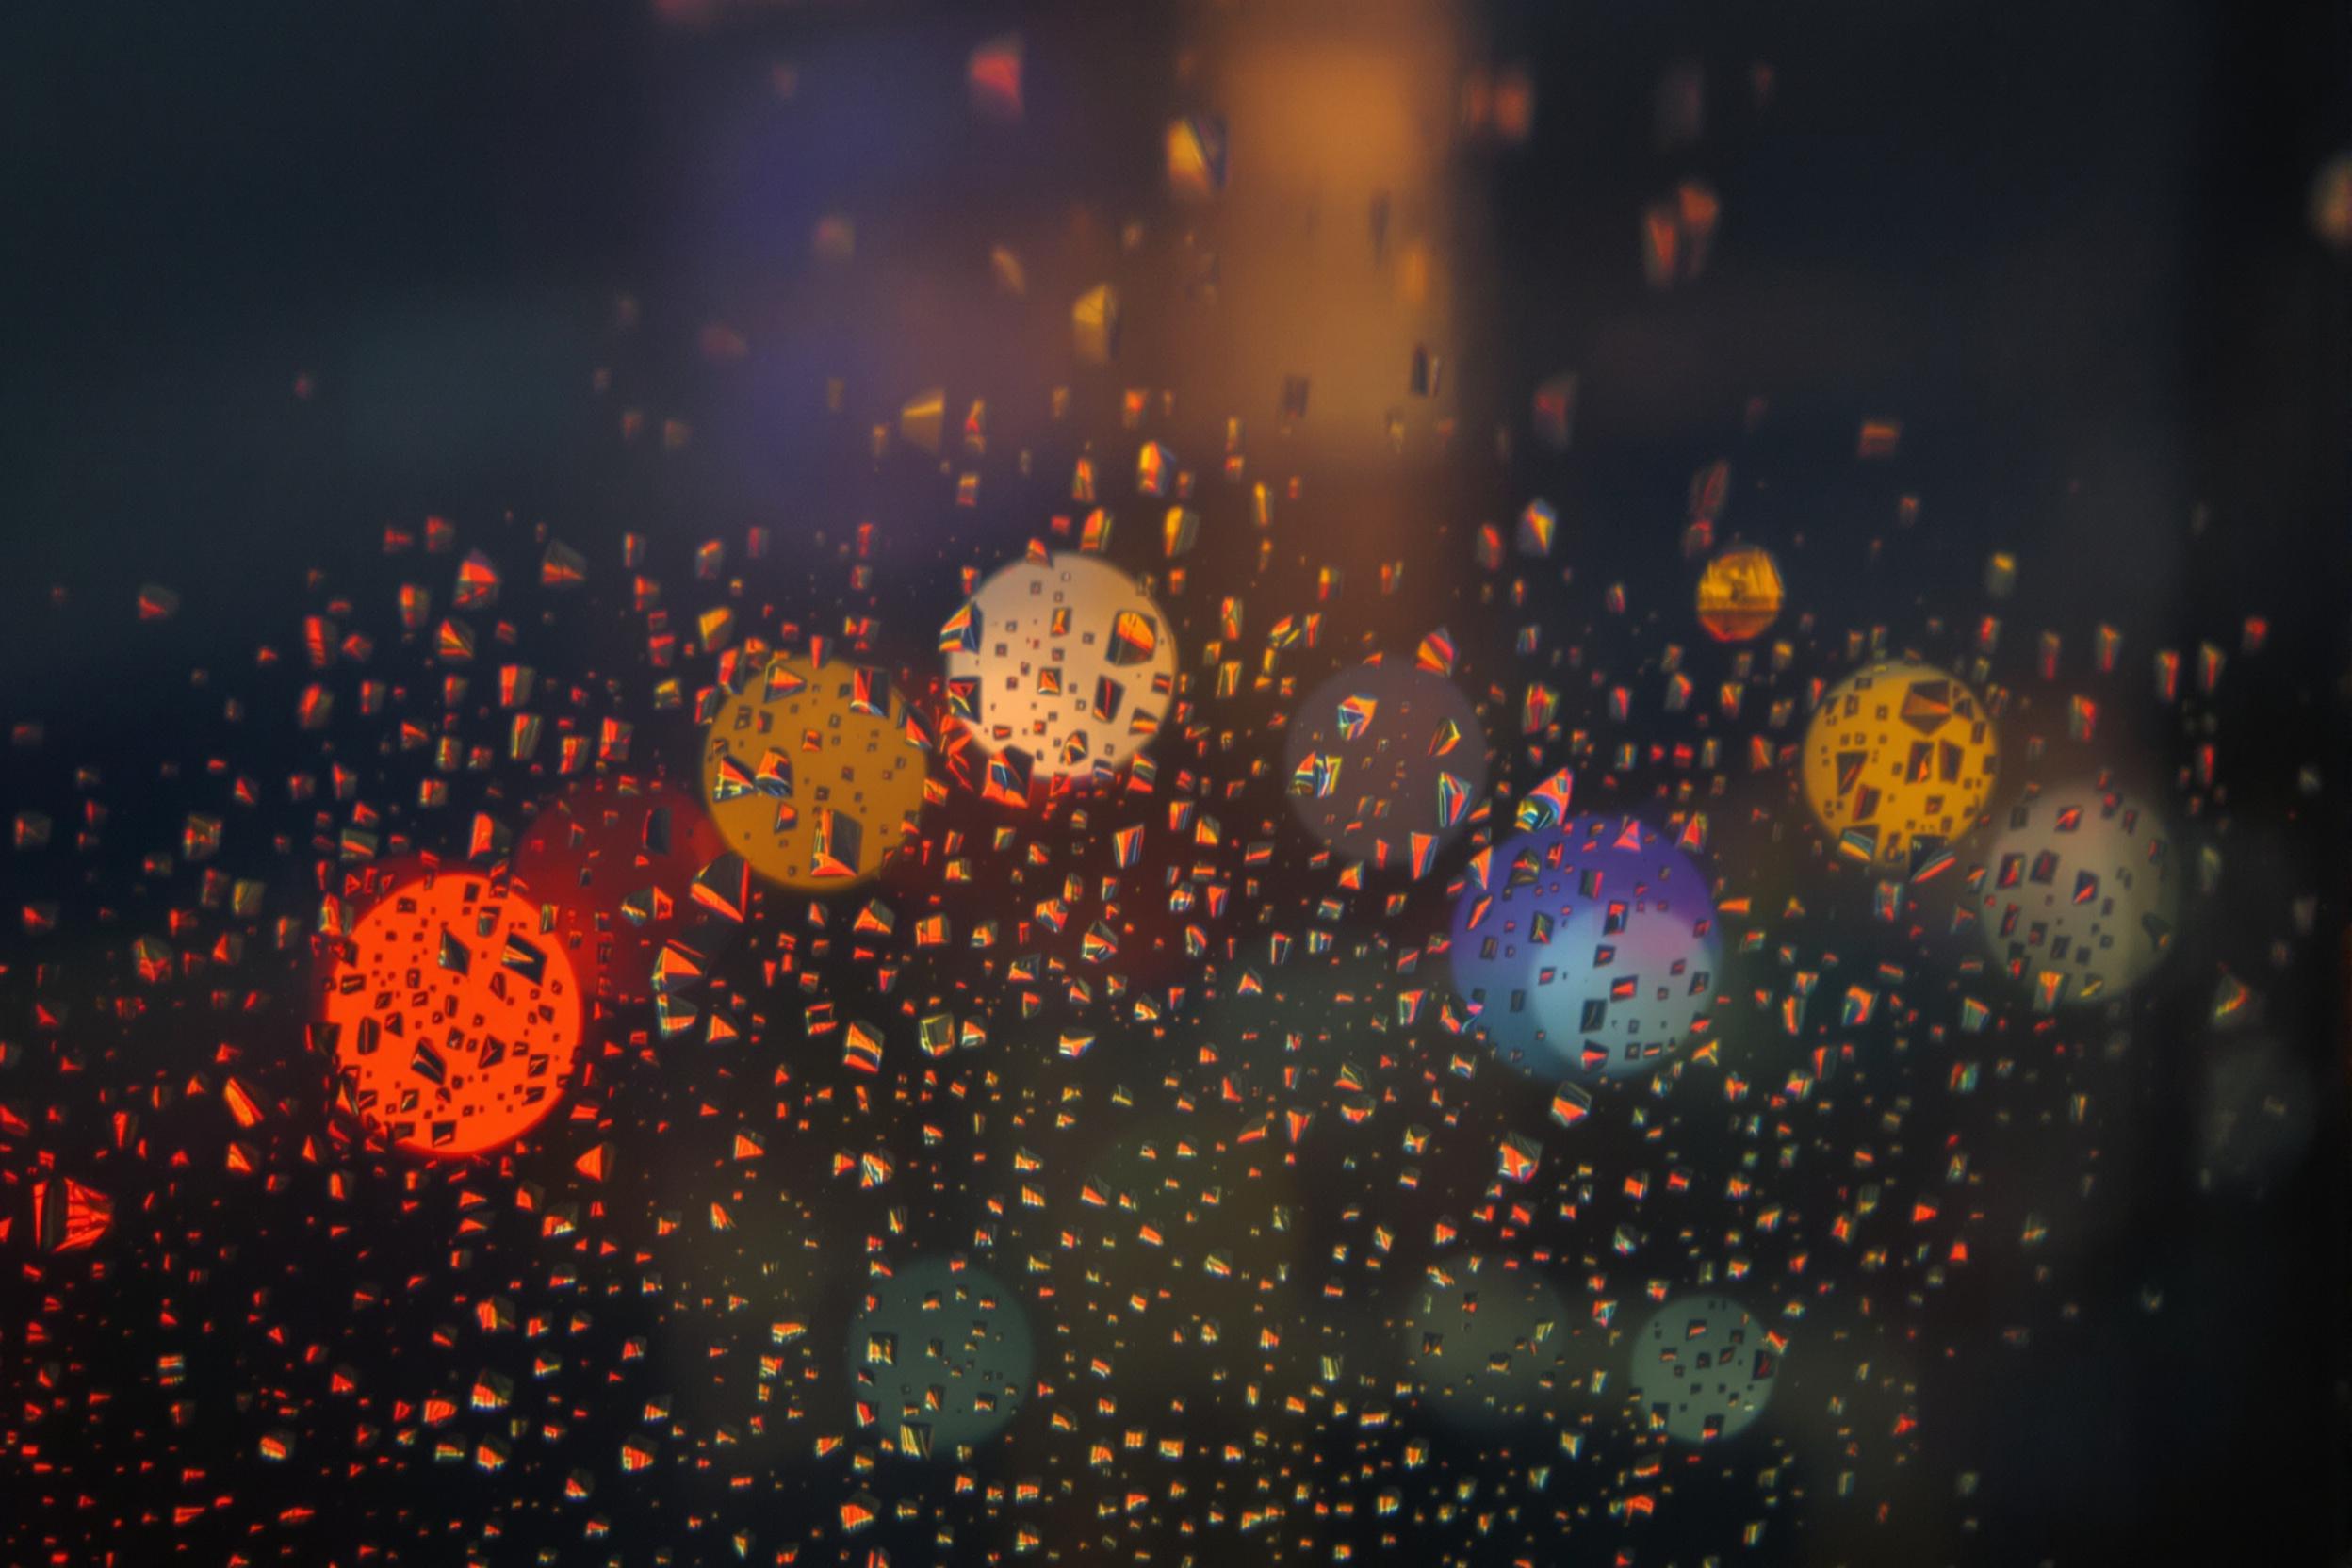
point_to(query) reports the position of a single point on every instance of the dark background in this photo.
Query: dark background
(2067, 245)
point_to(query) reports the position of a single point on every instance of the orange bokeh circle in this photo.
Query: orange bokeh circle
(455, 1020)
(1741, 594)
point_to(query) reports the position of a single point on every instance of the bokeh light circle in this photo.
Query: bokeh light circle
(1385, 763)
(1703, 1369)
(2080, 893)
(808, 772)
(940, 1358)
(1739, 594)
(455, 1018)
(1200, 1222)
(1897, 761)
(1485, 1341)
(1586, 950)
(1065, 661)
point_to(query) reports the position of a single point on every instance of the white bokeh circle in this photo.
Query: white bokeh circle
(1064, 660)
(1703, 1369)
(2080, 893)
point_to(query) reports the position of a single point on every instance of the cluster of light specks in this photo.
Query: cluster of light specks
(1245, 1098)
(1065, 1022)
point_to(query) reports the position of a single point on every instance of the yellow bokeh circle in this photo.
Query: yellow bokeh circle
(1898, 760)
(810, 774)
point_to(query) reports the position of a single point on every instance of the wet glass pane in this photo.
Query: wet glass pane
(794, 783)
